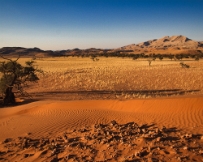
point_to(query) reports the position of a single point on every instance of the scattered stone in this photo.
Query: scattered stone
(7, 140)
(110, 142)
(158, 139)
(201, 151)
(26, 155)
(185, 148)
(113, 123)
(29, 133)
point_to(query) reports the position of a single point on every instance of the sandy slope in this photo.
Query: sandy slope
(45, 117)
(74, 130)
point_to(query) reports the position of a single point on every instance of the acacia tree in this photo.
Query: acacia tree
(15, 75)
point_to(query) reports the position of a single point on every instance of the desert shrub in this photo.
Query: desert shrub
(13, 74)
(149, 61)
(184, 65)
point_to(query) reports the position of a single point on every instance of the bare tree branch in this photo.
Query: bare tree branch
(10, 59)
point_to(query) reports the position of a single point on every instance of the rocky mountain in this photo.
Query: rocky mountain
(166, 45)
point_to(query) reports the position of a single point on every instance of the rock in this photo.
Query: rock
(143, 130)
(185, 148)
(55, 159)
(53, 151)
(26, 155)
(137, 153)
(7, 140)
(179, 158)
(158, 148)
(29, 133)
(157, 130)
(113, 122)
(149, 148)
(25, 143)
(158, 139)
(201, 151)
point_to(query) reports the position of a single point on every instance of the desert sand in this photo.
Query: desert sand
(170, 129)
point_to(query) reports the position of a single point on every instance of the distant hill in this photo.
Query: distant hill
(166, 45)
(23, 51)
(36, 52)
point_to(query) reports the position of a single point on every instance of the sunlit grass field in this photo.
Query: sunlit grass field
(121, 78)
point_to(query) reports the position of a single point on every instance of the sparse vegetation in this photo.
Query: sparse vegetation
(94, 58)
(117, 78)
(149, 61)
(184, 65)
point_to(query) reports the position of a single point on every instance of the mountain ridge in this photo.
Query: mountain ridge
(168, 44)
(177, 44)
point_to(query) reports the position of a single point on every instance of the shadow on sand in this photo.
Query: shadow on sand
(101, 94)
(162, 92)
(24, 102)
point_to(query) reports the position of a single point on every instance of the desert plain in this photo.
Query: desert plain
(112, 109)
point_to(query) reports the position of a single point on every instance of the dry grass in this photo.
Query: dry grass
(82, 78)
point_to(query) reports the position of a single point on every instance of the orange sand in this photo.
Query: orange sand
(39, 129)
(50, 117)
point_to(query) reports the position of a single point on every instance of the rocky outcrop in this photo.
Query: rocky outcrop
(171, 45)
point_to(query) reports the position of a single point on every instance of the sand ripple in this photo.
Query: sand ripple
(50, 117)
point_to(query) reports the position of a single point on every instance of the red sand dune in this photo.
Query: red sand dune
(46, 117)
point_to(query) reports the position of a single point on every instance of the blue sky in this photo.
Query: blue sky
(67, 24)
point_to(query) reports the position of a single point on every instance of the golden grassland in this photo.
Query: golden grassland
(115, 78)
